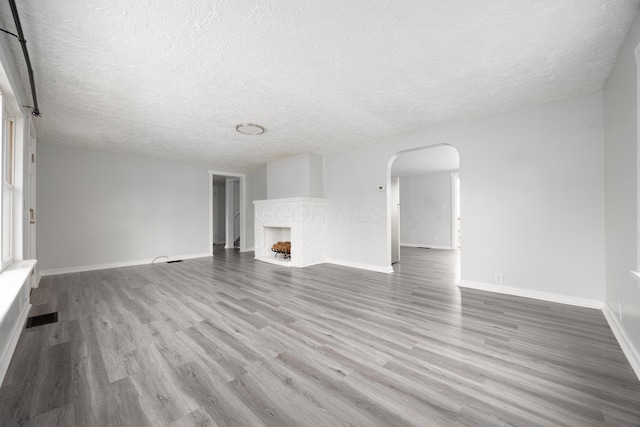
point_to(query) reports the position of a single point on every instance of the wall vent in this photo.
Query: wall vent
(43, 319)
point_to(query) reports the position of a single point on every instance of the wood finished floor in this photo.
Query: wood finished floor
(230, 341)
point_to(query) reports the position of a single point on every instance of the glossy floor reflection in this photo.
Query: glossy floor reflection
(226, 340)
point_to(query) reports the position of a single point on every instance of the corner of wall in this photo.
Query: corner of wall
(623, 339)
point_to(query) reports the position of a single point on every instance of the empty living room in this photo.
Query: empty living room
(268, 213)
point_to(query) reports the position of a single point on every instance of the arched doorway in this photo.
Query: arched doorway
(424, 199)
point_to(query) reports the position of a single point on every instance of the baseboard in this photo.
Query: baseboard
(79, 269)
(8, 350)
(632, 354)
(425, 245)
(248, 250)
(361, 266)
(527, 293)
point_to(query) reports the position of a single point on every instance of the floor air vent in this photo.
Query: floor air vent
(43, 319)
(171, 262)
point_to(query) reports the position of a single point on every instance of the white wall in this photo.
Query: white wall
(425, 210)
(256, 190)
(99, 208)
(316, 171)
(621, 180)
(295, 176)
(532, 196)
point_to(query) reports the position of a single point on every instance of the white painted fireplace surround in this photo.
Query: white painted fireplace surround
(303, 219)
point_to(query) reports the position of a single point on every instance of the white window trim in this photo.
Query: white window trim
(15, 245)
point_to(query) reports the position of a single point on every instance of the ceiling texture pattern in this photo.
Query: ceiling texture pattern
(173, 79)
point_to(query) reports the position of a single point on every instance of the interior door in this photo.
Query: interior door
(395, 219)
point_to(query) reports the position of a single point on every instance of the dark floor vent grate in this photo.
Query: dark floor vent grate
(171, 262)
(43, 319)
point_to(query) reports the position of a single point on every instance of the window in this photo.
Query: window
(8, 185)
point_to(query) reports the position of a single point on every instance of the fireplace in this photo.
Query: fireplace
(299, 220)
(275, 235)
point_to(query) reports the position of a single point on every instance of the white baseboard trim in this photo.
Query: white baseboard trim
(425, 245)
(361, 266)
(248, 250)
(632, 354)
(12, 343)
(528, 293)
(79, 269)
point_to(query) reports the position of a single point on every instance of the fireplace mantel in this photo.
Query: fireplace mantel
(306, 217)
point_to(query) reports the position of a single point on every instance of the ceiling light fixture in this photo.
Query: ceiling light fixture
(250, 129)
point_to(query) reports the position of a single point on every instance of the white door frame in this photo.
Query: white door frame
(243, 207)
(229, 195)
(215, 215)
(394, 189)
(454, 208)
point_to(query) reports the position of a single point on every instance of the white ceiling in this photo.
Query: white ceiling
(172, 79)
(427, 160)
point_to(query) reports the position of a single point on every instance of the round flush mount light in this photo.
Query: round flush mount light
(250, 129)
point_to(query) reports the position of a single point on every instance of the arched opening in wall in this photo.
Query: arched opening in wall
(423, 201)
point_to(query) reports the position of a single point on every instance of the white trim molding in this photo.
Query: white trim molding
(12, 342)
(426, 246)
(79, 269)
(625, 343)
(455, 176)
(14, 308)
(528, 293)
(361, 266)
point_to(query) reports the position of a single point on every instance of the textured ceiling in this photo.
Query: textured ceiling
(427, 160)
(172, 79)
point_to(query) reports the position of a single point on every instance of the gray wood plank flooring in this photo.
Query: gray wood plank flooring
(229, 341)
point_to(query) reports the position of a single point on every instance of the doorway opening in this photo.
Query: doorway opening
(455, 210)
(424, 200)
(227, 207)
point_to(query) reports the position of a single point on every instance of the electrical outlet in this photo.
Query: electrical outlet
(435, 238)
(498, 279)
(380, 188)
(141, 255)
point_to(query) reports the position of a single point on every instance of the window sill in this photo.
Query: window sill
(11, 281)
